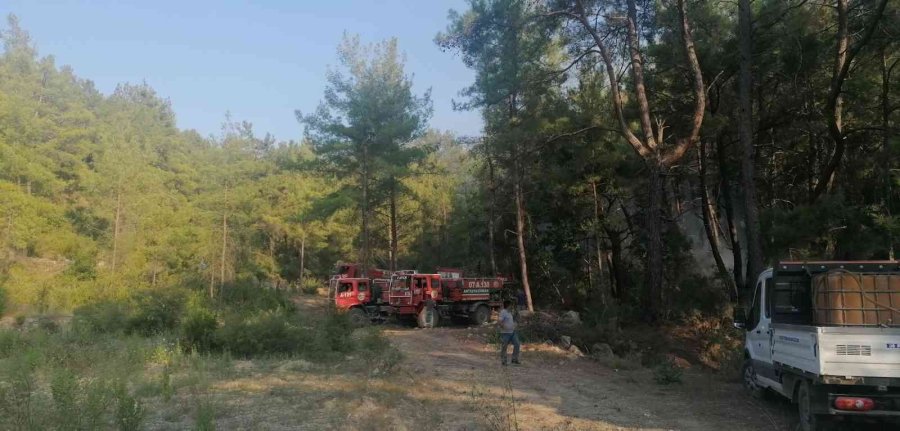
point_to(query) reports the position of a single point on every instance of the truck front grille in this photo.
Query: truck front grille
(853, 350)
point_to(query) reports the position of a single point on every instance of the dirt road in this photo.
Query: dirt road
(450, 379)
(555, 391)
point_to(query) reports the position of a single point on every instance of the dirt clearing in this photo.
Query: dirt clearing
(450, 378)
(556, 391)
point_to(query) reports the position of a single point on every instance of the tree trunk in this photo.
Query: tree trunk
(709, 223)
(597, 240)
(365, 208)
(729, 204)
(844, 55)
(886, 137)
(653, 293)
(302, 259)
(520, 232)
(619, 279)
(492, 202)
(748, 161)
(224, 240)
(115, 256)
(394, 238)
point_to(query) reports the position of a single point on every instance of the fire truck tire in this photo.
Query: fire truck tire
(481, 315)
(428, 317)
(358, 317)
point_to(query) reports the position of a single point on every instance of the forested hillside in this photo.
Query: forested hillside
(638, 160)
(103, 195)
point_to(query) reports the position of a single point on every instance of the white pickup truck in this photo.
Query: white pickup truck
(826, 335)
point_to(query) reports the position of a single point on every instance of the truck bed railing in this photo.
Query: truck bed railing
(837, 293)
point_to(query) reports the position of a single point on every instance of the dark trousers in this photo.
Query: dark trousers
(505, 341)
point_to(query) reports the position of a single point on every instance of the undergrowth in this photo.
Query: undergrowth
(116, 358)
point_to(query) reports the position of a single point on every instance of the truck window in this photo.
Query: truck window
(770, 297)
(345, 287)
(362, 287)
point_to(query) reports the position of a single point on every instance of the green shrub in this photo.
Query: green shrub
(667, 373)
(129, 412)
(156, 312)
(10, 343)
(206, 416)
(198, 329)
(311, 285)
(101, 317)
(78, 406)
(19, 403)
(377, 352)
(267, 332)
(2, 301)
(332, 336)
(246, 297)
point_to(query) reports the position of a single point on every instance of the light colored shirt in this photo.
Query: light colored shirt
(507, 322)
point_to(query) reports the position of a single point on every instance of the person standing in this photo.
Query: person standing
(521, 300)
(507, 324)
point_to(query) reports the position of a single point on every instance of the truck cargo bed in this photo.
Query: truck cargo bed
(837, 351)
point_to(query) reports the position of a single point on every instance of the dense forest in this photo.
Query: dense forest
(639, 160)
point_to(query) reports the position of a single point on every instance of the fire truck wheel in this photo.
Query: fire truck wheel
(427, 317)
(358, 317)
(481, 315)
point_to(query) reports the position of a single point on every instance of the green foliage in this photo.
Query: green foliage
(156, 312)
(19, 404)
(78, 405)
(311, 285)
(205, 416)
(102, 317)
(667, 373)
(251, 298)
(332, 335)
(377, 353)
(262, 333)
(198, 329)
(129, 411)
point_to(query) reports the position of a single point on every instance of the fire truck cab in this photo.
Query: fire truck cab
(362, 298)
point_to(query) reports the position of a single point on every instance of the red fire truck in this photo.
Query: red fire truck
(364, 298)
(427, 298)
(430, 298)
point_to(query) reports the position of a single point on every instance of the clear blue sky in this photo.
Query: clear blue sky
(259, 60)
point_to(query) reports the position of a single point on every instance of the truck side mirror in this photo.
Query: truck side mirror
(740, 317)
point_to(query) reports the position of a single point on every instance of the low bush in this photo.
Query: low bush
(198, 329)
(2, 301)
(129, 411)
(267, 332)
(78, 405)
(377, 353)
(155, 312)
(667, 373)
(311, 285)
(249, 298)
(10, 342)
(101, 317)
(332, 336)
